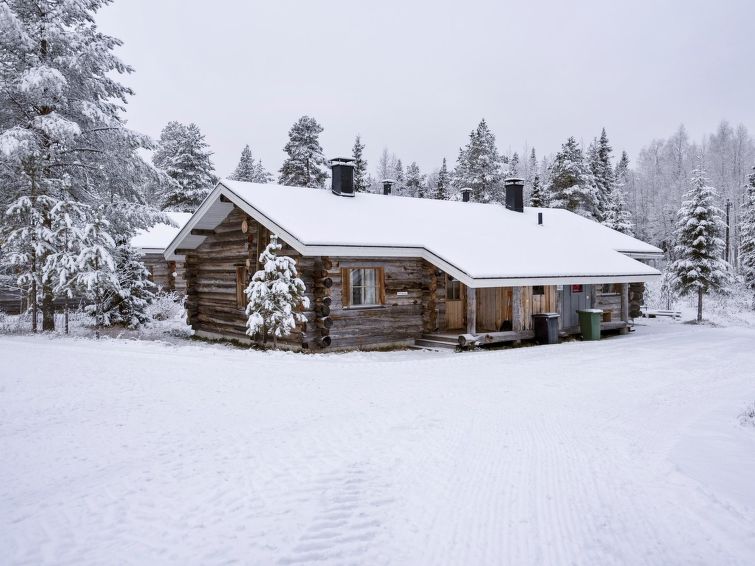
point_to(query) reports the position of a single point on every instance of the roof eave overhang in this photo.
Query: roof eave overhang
(387, 251)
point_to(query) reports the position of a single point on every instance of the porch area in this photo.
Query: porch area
(487, 316)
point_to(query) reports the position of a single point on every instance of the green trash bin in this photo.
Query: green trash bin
(589, 323)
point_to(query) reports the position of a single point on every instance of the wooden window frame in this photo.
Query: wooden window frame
(449, 285)
(346, 287)
(612, 289)
(242, 276)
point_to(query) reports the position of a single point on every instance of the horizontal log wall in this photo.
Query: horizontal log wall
(609, 301)
(402, 318)
(211, 272)
(162, 272)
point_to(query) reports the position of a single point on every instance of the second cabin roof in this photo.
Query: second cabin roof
(483, 245)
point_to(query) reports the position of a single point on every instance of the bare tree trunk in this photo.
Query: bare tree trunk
(65, 314)
(48, 309)
(700, 304)
(33, 298)
(98, 314)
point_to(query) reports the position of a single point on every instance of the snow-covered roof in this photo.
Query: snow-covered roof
(157, 238)
(483, 245)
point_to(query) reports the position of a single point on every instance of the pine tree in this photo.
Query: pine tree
(571, 184)
(96, 276)
(171, 137)
(398, 175)
(61, 124)
(698, 267)
(599, 159)
(250, 170)
(479, 166)
(28, 247)
(276, 296)
(305, 165)
(128, 304)
(532, 172)
(514, 165)
(616, 215)
(537, 195)
(415, 181)
(747, 235)
(361, 183)
(67, 220)
(246, 169)
(191, 170)
(444, 182)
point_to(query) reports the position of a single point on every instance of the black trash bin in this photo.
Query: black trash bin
(546, 327)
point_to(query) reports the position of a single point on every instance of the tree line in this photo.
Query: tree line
(76, 189)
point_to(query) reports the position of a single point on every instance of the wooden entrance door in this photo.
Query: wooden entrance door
(455, 304)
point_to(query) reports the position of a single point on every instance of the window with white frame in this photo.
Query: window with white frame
(365, 289)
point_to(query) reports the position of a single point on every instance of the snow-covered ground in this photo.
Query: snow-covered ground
(625, 451)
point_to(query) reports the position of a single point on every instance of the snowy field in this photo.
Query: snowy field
(626, 451)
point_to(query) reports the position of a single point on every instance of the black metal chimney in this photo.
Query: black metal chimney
(388, 186)
(466, 195)
(342, 176)
(514, 194)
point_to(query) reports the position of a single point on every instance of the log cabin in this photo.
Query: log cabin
(383, 270)
(168, 275)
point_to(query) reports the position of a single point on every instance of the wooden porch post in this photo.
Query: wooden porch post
(625, 302)
(625, 306)
(517, 324)
(471, 310)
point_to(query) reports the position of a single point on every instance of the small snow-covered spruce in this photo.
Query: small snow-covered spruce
(361, 182)
(96, 276)
(250, 170)
(276, 296)
(571, 183)
(747, 236)
(129, 304)
(698, 267)
(305, 165)
(443, 183)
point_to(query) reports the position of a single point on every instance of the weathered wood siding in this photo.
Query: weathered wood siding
(211, 278)
(410, 285)
(402, 317)
(495, 305)
(609, 300)
(162, 271)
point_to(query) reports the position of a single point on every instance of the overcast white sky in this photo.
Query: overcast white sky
(418, 76)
